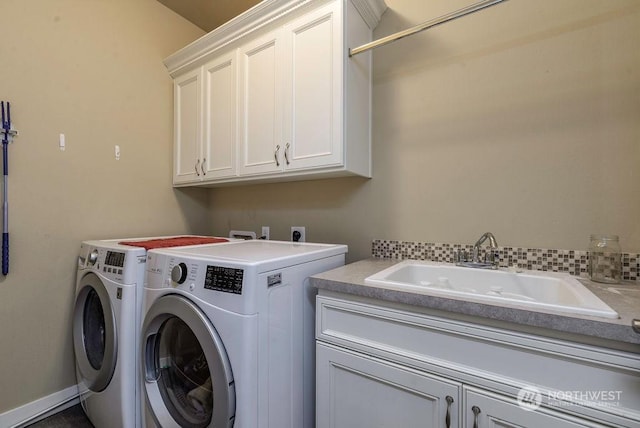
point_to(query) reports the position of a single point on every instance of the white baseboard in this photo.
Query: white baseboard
(40, 409)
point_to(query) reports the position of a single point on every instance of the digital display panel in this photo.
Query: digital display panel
(224, 279)
(114, 258)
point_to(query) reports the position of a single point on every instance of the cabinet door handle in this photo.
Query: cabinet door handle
(447, 419)
(476, 411)
(197, 165)
(202, 166)
(286, 153)
(275, 155)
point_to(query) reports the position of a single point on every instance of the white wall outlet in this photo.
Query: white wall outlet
(265, 232)
(298, 234)
(62, 142)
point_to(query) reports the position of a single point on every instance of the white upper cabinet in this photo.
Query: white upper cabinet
(260, 113)
(205, 122)
(219, 112)
(313, 90)
(273, 95)
(186, 128)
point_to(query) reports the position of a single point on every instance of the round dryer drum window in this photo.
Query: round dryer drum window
(94, 330)
(94, 334)
(188, 378)
(185, 378)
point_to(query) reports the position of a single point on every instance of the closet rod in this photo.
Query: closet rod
(425, 25)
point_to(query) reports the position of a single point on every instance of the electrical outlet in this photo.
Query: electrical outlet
(265, 232)
(298, 234)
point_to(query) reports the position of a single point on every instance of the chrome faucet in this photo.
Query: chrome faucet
(490, 260)
(493, 245)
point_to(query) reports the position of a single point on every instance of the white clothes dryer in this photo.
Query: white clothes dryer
(228, 334)
(106, 328)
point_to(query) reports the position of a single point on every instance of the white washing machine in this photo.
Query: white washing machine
(106, 327)
(228, 334)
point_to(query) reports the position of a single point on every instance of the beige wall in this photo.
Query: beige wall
(523, 120)
(92, 70)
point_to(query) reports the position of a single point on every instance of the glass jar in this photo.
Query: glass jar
(605, 262)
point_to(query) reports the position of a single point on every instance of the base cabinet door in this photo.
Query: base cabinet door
(355, 390)
(484, 409)
(381, 366)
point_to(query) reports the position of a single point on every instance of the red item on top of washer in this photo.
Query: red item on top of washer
(178, 241)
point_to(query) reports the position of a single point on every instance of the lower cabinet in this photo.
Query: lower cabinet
(390, 368)
(485, 409)
(355, 390)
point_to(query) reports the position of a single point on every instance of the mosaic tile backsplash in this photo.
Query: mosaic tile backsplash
(574, 262)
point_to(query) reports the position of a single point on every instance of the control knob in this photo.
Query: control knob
(179, 273)
(93, 257)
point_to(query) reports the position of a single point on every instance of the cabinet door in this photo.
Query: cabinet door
(313, 89)
(484, 409)
(186, 156)
(219, 128)
(354, 390)
(260, 114)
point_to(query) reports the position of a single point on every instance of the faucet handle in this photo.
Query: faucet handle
(460, 256)
(492, 256)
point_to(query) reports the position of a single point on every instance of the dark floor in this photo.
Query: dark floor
(73, 417)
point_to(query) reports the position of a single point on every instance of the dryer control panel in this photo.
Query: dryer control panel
(216, 277)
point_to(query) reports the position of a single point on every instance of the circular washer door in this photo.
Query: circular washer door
(94, 334)
(187, 375)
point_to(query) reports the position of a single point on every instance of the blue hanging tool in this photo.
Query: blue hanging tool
(7, 134)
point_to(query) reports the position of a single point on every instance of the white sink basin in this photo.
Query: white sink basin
(543, 290)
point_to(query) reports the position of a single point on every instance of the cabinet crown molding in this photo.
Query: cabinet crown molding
(370, 10)
(258, 16)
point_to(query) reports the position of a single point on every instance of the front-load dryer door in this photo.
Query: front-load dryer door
(186, 372)
(94, 334)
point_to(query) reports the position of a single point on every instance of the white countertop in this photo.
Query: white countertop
(624, 298)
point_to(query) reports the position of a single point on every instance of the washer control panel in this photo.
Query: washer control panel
(113, 262)
(224, 279)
